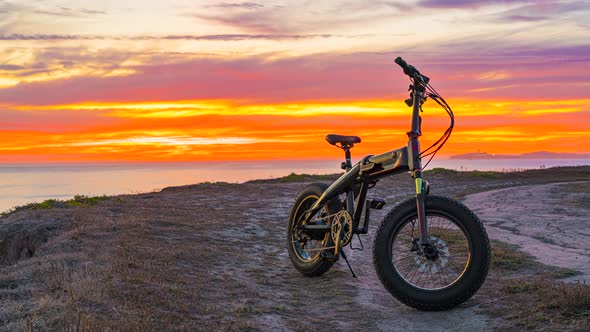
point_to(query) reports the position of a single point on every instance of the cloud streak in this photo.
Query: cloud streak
(241, 5)
(454, 4)
(69, 12)
(221, 37)
(169, 140)
(319, 16)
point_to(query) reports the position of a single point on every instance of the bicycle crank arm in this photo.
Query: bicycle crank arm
(316, 229)
(337, 244)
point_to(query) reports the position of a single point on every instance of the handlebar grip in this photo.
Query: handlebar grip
(410, 70)
(401, 63)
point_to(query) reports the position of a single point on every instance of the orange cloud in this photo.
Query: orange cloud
(222, 130)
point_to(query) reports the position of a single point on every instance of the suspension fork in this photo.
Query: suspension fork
(421, 192)
(422, 189)
(415, 164)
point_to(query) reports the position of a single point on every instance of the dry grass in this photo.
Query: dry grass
(528, 294)
(293, 177)
(76, 201)
(547, 304)
(507, 257)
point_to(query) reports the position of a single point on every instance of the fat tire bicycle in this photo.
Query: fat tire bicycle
(430, 252)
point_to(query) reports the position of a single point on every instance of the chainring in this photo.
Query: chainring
(342, 223)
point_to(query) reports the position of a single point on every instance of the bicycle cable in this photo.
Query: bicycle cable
(436, 146)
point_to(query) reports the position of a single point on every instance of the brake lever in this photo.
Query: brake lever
(409, 101)
(423, 79)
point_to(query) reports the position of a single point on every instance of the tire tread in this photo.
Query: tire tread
(468, 293)
(322, 266)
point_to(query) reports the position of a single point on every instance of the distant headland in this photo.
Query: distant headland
(531, 155)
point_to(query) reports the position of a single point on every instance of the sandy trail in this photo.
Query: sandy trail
(548, 221)
(345, 302)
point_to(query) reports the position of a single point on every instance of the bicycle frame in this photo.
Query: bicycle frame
(365, 173)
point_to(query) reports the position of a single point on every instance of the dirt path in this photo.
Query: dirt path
(344, 302)
(549, 221)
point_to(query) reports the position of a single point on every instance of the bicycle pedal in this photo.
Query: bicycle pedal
(329, 256)
(376, 203)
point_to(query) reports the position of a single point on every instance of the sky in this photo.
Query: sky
(135, 81)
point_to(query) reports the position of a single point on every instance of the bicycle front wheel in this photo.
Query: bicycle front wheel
(424, 281)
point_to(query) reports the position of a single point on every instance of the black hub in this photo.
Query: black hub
(430, 251)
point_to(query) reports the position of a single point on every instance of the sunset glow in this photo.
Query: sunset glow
(217, 80)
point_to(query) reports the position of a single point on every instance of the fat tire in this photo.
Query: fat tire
(432, 300)
(319, 266)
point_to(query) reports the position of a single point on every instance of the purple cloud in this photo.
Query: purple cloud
(324, 16)
(539, 11)
(11, 67)
(241, 5)
(258, 23)
(524, 18)
(253, 79)
(465, 3)
(505, 74)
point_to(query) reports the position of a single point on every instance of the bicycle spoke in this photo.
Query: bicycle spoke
(452, 254)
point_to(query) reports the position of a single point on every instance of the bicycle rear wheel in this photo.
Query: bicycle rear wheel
(305, 249)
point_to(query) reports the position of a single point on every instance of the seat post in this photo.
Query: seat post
(348, 162)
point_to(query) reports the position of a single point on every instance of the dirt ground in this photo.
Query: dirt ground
(550, 222)
(213, 257)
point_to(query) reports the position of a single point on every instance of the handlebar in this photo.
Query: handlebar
(411, 71)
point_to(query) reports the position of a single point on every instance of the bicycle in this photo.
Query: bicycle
(430, 252)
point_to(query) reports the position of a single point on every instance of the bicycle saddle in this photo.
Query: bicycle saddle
(343, 140)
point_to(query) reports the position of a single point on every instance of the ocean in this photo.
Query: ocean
(26, 183)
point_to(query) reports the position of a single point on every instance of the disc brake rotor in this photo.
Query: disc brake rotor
(426, 265)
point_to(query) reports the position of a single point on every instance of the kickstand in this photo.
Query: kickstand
(361, 242)
(347, 263)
